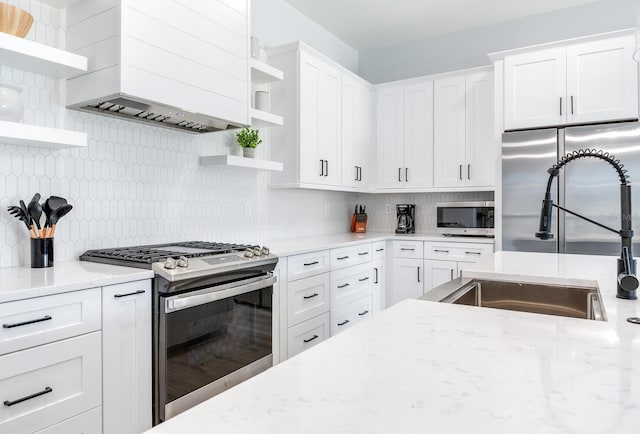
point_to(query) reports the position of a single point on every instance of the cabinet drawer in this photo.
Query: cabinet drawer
(36, 321)
(307, 334)
(352, 255)
(308, 298)
(307, 264)
(463, 252)
(407, 249)
(379, 249)
(349, 315)
(50, 383)
(350, 283)
(85, 423)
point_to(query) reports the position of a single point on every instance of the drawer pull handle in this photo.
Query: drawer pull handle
(140, 291)
(363, 253)
(346, 321)
(473, 253)
(440, 251)
(340, 258)
(306, 341)
(363, 279)
(307, 297)
(343, 286)
(379, 250)
(363, 313)
(33, 321)
(310, 263)
(412, 249)
(376, 270)
(26, 398)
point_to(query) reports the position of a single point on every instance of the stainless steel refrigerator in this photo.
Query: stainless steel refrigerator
(587, 186)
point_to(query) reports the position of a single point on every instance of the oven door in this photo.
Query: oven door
(210, 340)
(466, 218)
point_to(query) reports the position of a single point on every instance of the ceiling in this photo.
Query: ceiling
(368, 24)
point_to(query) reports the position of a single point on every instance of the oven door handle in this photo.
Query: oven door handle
(185, 301)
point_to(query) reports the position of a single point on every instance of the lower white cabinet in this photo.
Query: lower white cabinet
(47, 384)
(350, 314)
(408, 280)
(126, 346)
(438, 272)
(85, 423)
(307, 334)
(379, 300)
(444, 261)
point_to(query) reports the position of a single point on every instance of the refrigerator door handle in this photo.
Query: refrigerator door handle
(560, 106)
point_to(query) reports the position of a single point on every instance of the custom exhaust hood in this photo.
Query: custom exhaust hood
(162, 63)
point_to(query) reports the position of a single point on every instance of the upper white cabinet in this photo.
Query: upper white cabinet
(405, 136)
(325, 141)
(580, 83)
(464, 145)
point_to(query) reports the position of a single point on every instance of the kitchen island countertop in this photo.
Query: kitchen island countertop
(423, 366)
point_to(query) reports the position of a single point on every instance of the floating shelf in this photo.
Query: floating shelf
(261, 119)
(234, 161)
(261, 73)
(39, 58)
(14, 133)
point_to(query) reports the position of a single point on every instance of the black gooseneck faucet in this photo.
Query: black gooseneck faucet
(627, 281)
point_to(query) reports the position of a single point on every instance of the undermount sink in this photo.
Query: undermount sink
(569, 301)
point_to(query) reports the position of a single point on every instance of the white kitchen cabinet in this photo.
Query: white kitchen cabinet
(379, 300)
(407, 280)
(444, 261)
(351, 283)
(126, 346)
(307, 334)
(89, 422)
(438, 272)
(345, 317)
(405, 136)
(356, 128)
(586, 82)
(308, 298)
(464, 145)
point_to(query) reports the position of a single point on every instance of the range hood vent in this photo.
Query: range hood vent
(162, 116)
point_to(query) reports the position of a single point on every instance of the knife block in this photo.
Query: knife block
(359, 223)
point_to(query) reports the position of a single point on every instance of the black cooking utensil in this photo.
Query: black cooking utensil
(56, 216)
(26, 213)
(17, 212)
(35, 210)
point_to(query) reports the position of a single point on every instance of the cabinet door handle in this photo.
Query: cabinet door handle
(26, 398)
(375, 270)
(452, 274)
(33, 321)
(343, 286)
(363, 313)
(460, 173)
(412, 249)
(440, 251)
(399, 174)
(571, 104)
(356, 174)
(560, 106)
(306, 341)
(310, 263)
(379, 250)
(140, 291)
(359, 173)
(346, 321)
(363, 279)
(321, 167)
(473, 253)
(468, 171)
(418, 274)
(307, 297)
(326, 172)
(406, 174)
(363, 253)
(340, 258)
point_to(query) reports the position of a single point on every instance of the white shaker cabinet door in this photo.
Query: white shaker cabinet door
(438, 272)
(329, 124)
(418, 135)
(602, 81)
(356, 136)
(311, 160)
(390, 122)
(126, 345)
(378, 286)
(481, 146)
(535, 89)
(407, 279)
(449, 132)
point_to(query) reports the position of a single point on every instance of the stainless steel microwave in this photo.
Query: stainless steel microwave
(466, 218)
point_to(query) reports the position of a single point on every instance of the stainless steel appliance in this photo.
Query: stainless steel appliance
(212, 317)
(406, 214)
(466, 218)
(589, 188)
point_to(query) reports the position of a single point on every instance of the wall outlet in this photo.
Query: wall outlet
(388, 209)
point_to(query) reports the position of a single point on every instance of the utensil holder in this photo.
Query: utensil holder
(41, 252)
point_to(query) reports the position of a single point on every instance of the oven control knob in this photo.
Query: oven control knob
(248, 253)
(170, 264)
(183, 262)
(257, 251)
(265, 251)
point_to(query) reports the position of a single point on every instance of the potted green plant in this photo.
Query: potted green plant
(248, 139)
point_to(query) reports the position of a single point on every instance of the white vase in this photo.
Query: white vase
(11, 108)
(262, 100)
(248, 152)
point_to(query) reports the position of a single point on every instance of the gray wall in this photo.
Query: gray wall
(469, 48)
(276, 22)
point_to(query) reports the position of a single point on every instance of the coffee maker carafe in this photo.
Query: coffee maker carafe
(406, 218)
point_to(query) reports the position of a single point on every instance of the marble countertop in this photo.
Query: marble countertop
(288, 247)
(17, 283)
(423, 366)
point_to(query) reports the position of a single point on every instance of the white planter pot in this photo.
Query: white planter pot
(248, 152)
(11, 108)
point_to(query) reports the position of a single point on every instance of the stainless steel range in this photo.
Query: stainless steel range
(212, 316)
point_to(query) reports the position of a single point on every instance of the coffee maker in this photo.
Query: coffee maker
(406, 218)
